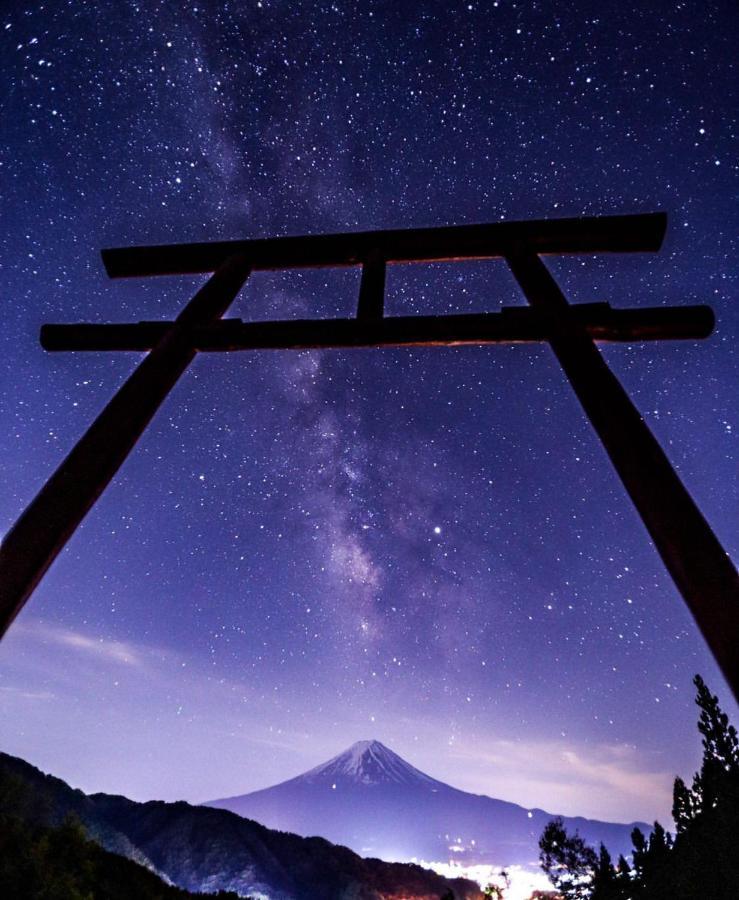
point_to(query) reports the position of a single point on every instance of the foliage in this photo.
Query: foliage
(567, 860)
(701, 862)
(39, 863)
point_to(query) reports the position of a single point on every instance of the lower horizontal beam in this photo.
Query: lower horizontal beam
(512, 325)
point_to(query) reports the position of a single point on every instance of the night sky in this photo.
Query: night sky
(425, 547)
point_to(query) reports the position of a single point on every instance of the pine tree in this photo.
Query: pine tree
(567, 860)
(605, 884)
(624, 869)
(720, 748)
(684, 805)
(703, 860)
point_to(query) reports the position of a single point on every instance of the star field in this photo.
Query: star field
(426, 547)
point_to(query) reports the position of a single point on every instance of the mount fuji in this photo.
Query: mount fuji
(371, 800)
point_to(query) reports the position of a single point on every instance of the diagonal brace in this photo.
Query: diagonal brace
(698, 564)
(41, 532)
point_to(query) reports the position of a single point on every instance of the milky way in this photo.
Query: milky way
(310, 548)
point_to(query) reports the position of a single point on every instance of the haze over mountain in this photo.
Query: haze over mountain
(370, 799)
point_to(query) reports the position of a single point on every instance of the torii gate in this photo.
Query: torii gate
(698, 564)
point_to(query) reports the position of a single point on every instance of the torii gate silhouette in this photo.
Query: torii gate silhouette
(698, 564)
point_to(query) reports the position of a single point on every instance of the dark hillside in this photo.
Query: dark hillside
(204, 849)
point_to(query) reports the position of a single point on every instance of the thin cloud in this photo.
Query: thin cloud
(109, 650)
(599, 780)
(12, 691)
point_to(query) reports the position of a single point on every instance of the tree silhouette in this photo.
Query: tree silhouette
(701, 862)
(567, 860)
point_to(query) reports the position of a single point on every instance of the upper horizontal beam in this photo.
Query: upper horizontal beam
(595, 234)
(512, 325)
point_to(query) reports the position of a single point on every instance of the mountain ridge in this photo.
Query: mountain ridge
(372, 800)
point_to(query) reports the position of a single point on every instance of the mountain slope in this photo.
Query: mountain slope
(59, 862)
(373, 801)
(201, 849)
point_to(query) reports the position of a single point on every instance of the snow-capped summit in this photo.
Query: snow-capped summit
(367, 762)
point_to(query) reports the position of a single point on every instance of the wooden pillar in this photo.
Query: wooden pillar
(371, 304)
(44, 528)
(695, 559)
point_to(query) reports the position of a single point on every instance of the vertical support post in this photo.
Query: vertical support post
(698, 564)
(41, 532)
(372, 287)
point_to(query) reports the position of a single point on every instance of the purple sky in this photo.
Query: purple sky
(429, 548)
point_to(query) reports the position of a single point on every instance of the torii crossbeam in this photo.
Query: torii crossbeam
(698, 564)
